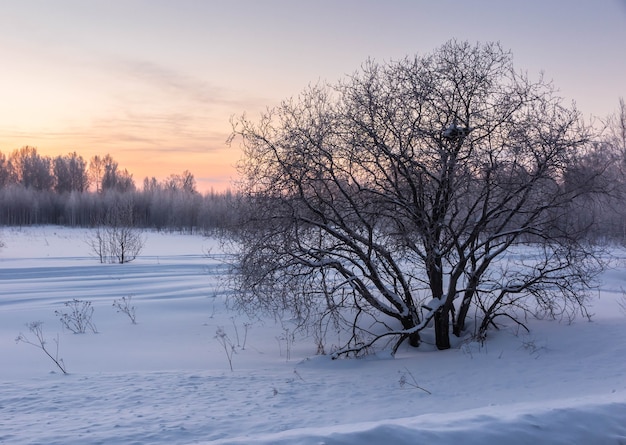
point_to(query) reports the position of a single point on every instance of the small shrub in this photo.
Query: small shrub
(77, 318)
(124, 306)
(116, 239)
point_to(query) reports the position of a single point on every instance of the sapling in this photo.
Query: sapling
(35, 327)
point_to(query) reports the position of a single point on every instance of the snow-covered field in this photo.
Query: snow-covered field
(167, 379)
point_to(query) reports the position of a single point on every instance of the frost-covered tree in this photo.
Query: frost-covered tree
(95, 171)
(70, 172)
(112, 177)
(5, 173)
(414, 191)
(116, 239)
(184, 182)
(30, 169)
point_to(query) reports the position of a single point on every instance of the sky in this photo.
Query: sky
(155, 83)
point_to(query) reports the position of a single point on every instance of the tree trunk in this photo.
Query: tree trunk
(442, 316)
(459, 323)
(414, 338)
(442, 328)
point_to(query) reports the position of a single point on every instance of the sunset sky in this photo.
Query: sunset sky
(154, 82)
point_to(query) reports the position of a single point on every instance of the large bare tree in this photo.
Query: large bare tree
(412, 192)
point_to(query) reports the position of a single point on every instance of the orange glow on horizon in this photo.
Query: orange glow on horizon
(155, 84)
(213, 169)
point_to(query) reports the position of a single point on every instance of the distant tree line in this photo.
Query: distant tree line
(67, 190)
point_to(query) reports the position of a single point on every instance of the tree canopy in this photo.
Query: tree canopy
(416, 191)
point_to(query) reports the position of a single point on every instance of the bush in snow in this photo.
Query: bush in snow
(77, 318)
(116, 239)
(124, 306)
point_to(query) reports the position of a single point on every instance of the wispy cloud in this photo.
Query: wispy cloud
(162, 133)
(166, 109)
(148, 116)
(177, 83)
(171, 81)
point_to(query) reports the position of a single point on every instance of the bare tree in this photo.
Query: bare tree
(187, 182)
(617, 140)
(110, 174)
(5, 173)
(106, 174)
(96, 168)
(125, 182)
(607, 213)
(184, 182)
(30, 169)
(71, 173)
(617, 125)
(151, 185)
(116, 239)
(413, 192)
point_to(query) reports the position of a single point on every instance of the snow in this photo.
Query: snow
(167, 380)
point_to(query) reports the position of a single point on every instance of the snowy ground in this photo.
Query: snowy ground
(167, 380)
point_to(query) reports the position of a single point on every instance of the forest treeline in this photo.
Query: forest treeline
(67, 190)
(70, 191)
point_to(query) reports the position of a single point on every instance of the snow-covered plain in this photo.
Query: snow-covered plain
(167, 380)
